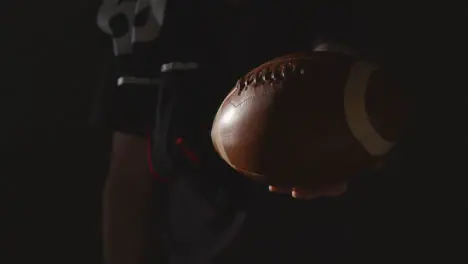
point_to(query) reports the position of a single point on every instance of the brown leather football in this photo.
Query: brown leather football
(309, 120)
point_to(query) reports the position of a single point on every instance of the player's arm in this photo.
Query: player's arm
(128, 188)
(126, 198)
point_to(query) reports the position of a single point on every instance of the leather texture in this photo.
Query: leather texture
(309, 120)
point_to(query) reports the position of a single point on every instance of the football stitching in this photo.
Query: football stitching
(270, 73)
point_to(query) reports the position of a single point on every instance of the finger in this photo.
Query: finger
(336, 190)
(278, 189)
(303, 194)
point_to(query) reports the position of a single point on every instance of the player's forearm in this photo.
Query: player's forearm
(124, 225)
(126, 199)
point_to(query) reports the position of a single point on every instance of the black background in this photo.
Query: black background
(53, 164)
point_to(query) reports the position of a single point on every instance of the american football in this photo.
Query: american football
(309, 120)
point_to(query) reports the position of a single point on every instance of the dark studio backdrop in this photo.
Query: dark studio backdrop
(53, 164)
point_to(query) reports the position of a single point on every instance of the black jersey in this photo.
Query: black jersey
(128, 100)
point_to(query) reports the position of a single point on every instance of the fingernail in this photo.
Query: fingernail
(294, 194)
